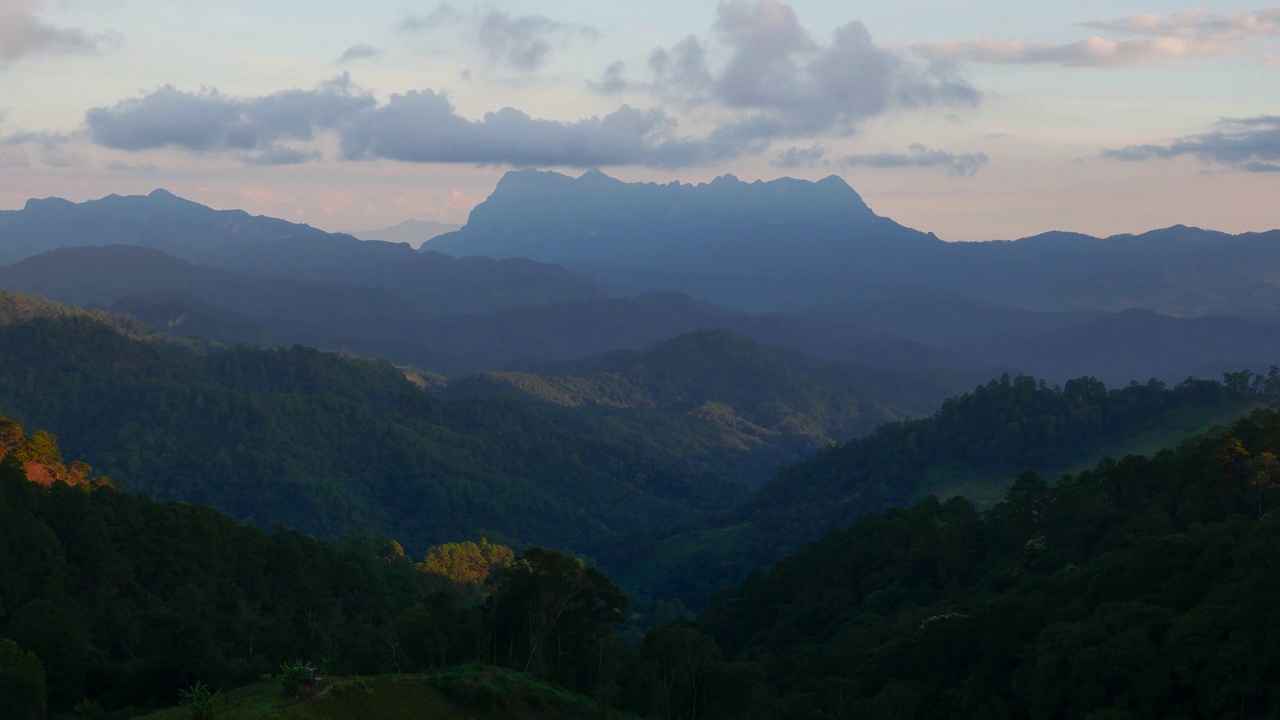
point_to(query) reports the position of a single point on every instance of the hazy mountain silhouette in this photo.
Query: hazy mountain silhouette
(174, 294)
(161, 219)
(439, 282)
(269, 247)
(791, 244)
(413, 232)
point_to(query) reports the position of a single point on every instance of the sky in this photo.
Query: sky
(974, 120)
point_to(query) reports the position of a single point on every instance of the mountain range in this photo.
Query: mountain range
(788, 245)
(1165, 304)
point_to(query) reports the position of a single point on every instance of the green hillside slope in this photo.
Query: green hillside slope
(331, 444)
(975, 444)
(726, 402)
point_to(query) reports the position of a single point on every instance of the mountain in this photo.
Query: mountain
(177, 296)
(160, 220)
(974, 445)
(332, 444)
(790, 245)
(1115, 347)
(736, 406)
(268, 247)
(729, 228)
(1134, 588)
(415, 233)
(437, 282)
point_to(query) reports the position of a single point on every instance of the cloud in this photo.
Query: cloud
(23, 33)
(283, 155)
(521, 42)
(1198, 24)
(360, 51)
(917, 155)
(422, 126)
(524, 42)
(1247, 144)
(786, 83)
(47, 141)
(1145, 40)
(612, 81)
(14, 158)
(443, 15)
(120, 166)
(210, 122)
(797, 157)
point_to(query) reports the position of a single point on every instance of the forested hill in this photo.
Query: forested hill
(974, 445)
(1140, 588)
(756, 406)
(330, 444)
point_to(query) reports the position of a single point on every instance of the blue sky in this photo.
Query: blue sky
(974, 120)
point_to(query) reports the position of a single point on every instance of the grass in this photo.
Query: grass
(461, 693)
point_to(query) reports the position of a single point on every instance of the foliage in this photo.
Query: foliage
(201, 703)
(1139, 588)
(21, 683)
(723, 402)
(330, 444)
(986, 436)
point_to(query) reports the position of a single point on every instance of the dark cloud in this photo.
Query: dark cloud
(22, 33)
(1247, 144)
(797, 157)
(361, 51)
(209, 121)
(917, 155)
(790, 84)
(422, 126)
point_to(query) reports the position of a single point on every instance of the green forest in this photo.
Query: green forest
(1138, 588)
(204, 531)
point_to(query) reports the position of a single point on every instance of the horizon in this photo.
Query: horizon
(463, 221)
(998, 124)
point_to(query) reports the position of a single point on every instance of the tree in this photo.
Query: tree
(21, 683)
(545, 595)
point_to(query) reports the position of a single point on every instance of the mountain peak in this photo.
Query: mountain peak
(162, 194)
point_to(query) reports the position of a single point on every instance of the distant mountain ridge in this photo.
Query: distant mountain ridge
(416, 233)
(789, 245)
(160, 219)
(597, 220)
(269, 247)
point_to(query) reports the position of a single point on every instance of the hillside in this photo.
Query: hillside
(177, 296)
(726, 394)
(115, 604)
(331, 444)
(974, 445)
(1137, 588)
